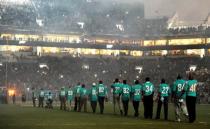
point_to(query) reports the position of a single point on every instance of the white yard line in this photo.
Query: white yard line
(201, 122)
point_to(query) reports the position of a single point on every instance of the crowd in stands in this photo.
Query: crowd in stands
(191, 31)
(88, 16)
(73, 16)
(68, 71)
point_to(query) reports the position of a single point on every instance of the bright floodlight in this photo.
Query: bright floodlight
(43, 65)
(18, 2)
(139, 68)
(193, 68)
(11, 92)
(22, 42)
(81, 24)
(109, 46)
(61, 76)
(85, 66)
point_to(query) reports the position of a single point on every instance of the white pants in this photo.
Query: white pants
(180, 107)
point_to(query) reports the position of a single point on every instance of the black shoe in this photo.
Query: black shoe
(136, 114)
(121, 112)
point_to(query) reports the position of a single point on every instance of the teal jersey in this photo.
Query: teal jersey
(69, 94)
(148, 88)
(46, 93)
(136, 92)
(178, 88)
(191, 88)
(34, 94)
(164, 90)
(77, 90)
(83, 92)
(50, 96)
(102, 90)
(41, 93)
(93, 93)
(62, 93)
(125, 91)
(116, 88)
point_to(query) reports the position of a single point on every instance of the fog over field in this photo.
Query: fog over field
(189, 10)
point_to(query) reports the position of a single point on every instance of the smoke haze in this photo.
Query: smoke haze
(188, 10)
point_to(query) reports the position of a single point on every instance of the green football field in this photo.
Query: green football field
(27, 117)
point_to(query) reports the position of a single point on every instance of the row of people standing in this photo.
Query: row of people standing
(97, 93)
(42, 96)
(183, 95)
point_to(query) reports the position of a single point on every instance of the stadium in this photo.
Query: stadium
(51, 44)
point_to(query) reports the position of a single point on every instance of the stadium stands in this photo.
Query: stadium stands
(67, 71)
(89, 17)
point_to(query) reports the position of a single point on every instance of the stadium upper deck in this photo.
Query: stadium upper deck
(106, 44)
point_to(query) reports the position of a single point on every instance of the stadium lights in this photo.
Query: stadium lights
(43, 65)
(109, 46)
(61, 76)
(17, 2)
(85, 67)
(81, 24)
(193, 68)
(89, 1)
(164, 52)
(120, 27)
(139, 68)
(11, 92)
(40, 22)
(22, 42)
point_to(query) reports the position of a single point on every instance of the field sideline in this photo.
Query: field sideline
(24, 117)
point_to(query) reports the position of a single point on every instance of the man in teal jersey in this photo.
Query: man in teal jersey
(69, 97)
(83, 98)
(136, 91)
(163, 95)
(41, 98)
(191, 94)
(62, 97)
(49, 101)
(34, 96)
(116, 95)
(148, 92)
(77, 96)
(102, 94)
(126, 93)
(46, 93)
(179, 97)
(93, 95)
